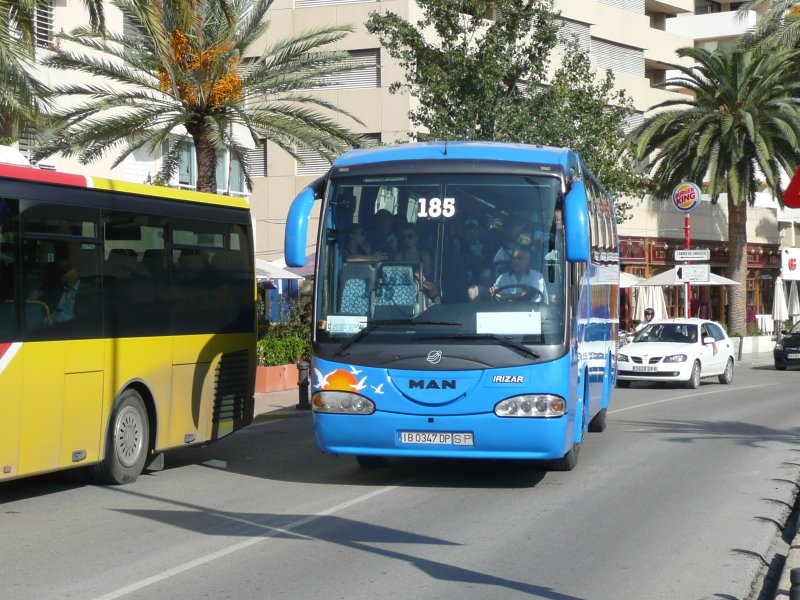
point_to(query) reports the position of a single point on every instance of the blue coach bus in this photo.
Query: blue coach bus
(465, 304)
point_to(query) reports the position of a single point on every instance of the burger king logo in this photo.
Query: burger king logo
(685, 196)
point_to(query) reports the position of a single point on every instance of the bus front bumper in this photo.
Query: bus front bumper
(458, 436)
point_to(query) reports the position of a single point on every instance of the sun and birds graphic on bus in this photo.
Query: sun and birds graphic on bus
(344, 381)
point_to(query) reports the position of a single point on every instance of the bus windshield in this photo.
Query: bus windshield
(442, 257)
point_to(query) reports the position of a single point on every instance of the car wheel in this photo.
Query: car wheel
(623, 383)
(598, 423)
(127, 441)
(727, 375)
(370, 462)
(780, 366)
(694, 378)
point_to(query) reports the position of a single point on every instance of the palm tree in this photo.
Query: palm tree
(740, 123)
(22, 96)
(185, 67)
(778, 26)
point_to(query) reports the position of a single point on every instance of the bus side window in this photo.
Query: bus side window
(9, 326)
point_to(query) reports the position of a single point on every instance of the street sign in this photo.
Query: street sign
(685, 196)
(696, 254)
(692, 273)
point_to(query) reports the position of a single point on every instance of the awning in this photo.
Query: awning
(266, 271)
(670, 277)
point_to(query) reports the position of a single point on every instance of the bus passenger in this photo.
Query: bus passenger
(357, 247)
(382, 237)
(409, 251)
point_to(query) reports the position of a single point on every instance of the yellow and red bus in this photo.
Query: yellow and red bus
(127, 322)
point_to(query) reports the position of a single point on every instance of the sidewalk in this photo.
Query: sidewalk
(266, 402)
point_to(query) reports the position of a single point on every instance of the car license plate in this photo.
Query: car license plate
(793, 356)
(644, 369)
(437, 438)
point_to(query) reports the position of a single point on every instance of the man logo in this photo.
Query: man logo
(434, 356)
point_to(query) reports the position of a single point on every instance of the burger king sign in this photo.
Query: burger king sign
(685, 196)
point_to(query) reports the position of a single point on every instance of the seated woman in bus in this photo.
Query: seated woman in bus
(520, 275)
(409, 251)
(357, 247)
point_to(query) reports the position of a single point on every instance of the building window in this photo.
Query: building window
(230, 176)
(257, 160)
(618, 58)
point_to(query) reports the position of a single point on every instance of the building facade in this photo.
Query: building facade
(636, 39)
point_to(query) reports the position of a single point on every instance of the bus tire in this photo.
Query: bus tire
(127, 441)
(370, 462)
(598, 423)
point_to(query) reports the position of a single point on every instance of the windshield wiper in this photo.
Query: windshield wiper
(388, 322)
(491, 336)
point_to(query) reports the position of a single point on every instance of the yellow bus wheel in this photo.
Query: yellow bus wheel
(127, 441)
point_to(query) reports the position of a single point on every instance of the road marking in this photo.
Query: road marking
(128, 589)
(726, 389)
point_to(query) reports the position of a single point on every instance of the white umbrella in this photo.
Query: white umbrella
(267, 270)
(793, 305)
(627, 280)
(779, 310)
(670, 277)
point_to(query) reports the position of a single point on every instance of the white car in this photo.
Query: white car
(683, 350)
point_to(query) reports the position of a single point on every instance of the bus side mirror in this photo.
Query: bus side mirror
(296, 233)
(576, 224)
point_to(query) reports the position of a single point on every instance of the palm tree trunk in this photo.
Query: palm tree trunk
(206, 157)
(737, 255)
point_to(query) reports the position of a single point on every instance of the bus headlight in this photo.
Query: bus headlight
(531, 405)
(342, 403)
(675, 358)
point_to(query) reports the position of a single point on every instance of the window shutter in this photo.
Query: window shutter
(309, 3)
(366, 72)
(311, 162)
(44, 22)
(618, 58)
(636, 6)
(574, 30)
(257, 161)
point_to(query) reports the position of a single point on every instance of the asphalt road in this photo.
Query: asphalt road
(684, 496)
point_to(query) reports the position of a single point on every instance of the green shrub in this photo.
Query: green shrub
(285, 343)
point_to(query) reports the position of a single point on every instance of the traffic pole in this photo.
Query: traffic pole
(687, 228)
(302, 385)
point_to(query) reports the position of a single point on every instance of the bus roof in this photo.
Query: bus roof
(488, 151)
(34, 175)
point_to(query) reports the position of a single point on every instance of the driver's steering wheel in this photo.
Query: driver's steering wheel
(526, 292)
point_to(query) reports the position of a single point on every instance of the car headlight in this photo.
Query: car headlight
(622, 357)
(675, 358)
(531, 405)
(778, 346)
(342, 403)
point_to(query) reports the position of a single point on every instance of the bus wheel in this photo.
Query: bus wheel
(370, 462)
(598, 423)
(127, 441)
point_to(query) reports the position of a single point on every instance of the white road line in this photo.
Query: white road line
(273, 531)
(721, 391)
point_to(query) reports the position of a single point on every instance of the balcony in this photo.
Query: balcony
(712, 26)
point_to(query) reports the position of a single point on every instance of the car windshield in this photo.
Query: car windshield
(450, 254)
(795, 330)
(681, 333)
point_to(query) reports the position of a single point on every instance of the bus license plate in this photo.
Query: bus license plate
(436, 438)
(644, 369)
